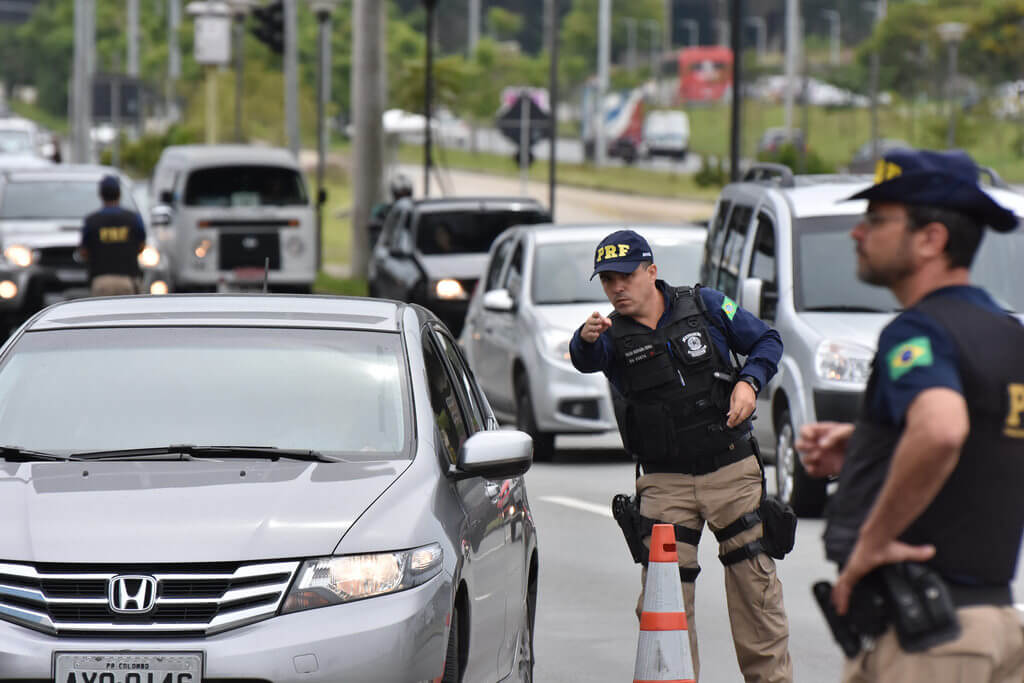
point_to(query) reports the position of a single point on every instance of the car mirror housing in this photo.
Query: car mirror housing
(167, 197)
(750, 296)
(499, 300)
(499, 454)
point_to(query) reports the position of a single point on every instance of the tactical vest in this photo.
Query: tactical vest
(676, 387)
(114, 249)
(976, 520)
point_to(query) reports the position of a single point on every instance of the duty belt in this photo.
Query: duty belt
(702, 463)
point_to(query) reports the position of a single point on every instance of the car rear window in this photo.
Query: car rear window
(230, 186)
(468, 232)
(342, 392)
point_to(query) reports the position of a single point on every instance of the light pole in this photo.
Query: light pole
(692, 30)
(761, 28)
(723, 31)
(323, 10)
(879, 7)
(655, 46)
(630, 23)
(833, 21)
(952, 33)
(428, 95)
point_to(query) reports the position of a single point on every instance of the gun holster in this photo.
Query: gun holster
(626, 511)
(910, 597)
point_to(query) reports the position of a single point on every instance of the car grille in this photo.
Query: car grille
(190, 599)
(250, 250)
(57, 257)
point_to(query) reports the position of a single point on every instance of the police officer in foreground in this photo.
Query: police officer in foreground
(112, 239)
(666, 350)
(926, 523)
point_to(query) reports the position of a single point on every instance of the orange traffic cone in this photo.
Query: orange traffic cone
(663, 652)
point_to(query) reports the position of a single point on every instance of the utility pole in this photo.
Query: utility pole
(81, 85)
(833, 21)
(132, 12)
(604, 32)
(761, 28)
(323, 10)
(115, 111)
(474, 27)
(173, 57)
(630, 43)
(880, 11)
(291, 75)
(692, 31)
(239, 29)
(736, 121)
(667, 40)
(792, 59)
(553, 102)
(428, 95)
(367, 109)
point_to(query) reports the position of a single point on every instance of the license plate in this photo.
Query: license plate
(67, 275)
(248, 274)
(120, 667)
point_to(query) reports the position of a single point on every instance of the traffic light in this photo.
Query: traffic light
(269, 26)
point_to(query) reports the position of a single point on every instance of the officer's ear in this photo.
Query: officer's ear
(653, 271)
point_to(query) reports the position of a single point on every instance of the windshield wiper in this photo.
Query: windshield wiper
(845, 309)
(189, 452)
(18, 454)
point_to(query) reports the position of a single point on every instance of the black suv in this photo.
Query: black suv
(433, 251)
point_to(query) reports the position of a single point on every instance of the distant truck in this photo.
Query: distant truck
(623, 123)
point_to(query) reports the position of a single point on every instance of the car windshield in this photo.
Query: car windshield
(225, 186)
(561, 271)
(468, 232)
(826, 269)
(15, 142)
(336, 392)
(54, 199)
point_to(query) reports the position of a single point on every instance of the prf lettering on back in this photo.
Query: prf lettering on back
(1015, 418)
(612, 251)
(118, 234)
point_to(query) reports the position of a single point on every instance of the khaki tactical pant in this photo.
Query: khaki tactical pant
(113, 285)
(760, 630)
(990, 649)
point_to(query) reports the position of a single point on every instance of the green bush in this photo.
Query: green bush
(711, 174)
(138, 157)
(788, 155)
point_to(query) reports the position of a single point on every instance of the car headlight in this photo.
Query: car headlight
(449, 289)
(556, 345)
(149, 257)
(18, 255)
(327, 581)
(843, 362)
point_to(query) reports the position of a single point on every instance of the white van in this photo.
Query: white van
(667, 134)
(228, 215)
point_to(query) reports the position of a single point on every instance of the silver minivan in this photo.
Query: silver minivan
(780, 245)
(229, 216)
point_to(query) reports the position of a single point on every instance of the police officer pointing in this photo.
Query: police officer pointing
(931, 476)
(666, 349)
(112, 239)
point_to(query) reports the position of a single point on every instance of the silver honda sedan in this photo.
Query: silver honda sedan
(535, 292)
(259, 488)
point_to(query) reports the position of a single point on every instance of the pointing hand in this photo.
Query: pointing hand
(594, 326)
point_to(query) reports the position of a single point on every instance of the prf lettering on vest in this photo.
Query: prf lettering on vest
(612, 251)
(118, 234)
(1015, 418)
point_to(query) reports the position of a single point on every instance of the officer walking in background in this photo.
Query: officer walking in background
(112, 239)
(666, 350)
(928, 516)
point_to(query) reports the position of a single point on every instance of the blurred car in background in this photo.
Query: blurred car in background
(779, 244)
(774, 139)
(536, 291)
(667, 134)
(307, 488)
(433, 251)
(41, 216)
(863, 160)
(19, 137)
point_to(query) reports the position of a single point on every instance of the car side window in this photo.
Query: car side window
(501, 254)
(732, 250)
(763, 265)
(713, 243)
(464, 383)
(448, 416)
(514, 278)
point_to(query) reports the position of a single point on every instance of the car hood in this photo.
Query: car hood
(859, 328)
(14, 230)
(569, 317)
(458, 266)
(189, 511)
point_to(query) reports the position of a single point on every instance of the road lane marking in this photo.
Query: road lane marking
(603, 510)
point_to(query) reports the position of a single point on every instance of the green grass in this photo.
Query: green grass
(618, 179)
(337, 218)
(40, 116)
(325, 284)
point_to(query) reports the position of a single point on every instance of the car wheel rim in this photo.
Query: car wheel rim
(525, 653)
(786, 463)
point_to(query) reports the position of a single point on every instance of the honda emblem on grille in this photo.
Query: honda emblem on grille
(129, 594)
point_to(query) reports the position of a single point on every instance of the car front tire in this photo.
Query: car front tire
(452, 672)
(526, 421)
(804, 493)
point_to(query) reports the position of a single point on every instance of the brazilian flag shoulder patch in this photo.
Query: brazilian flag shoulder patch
(729, 306)
(915, 352)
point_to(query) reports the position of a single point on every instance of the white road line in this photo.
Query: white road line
(603, 510)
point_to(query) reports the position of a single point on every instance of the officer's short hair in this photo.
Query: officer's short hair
(965, 233)
(110, 188)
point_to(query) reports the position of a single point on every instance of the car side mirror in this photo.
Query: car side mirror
(500, 454)
(750, 295)
(166, 197)
(321, 196)
(499, 300)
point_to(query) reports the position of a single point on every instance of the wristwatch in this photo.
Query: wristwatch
(752, 382)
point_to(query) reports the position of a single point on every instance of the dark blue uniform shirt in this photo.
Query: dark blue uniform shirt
(746, 335)
(915, 353)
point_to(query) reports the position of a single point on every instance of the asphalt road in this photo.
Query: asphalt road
(586, 626)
